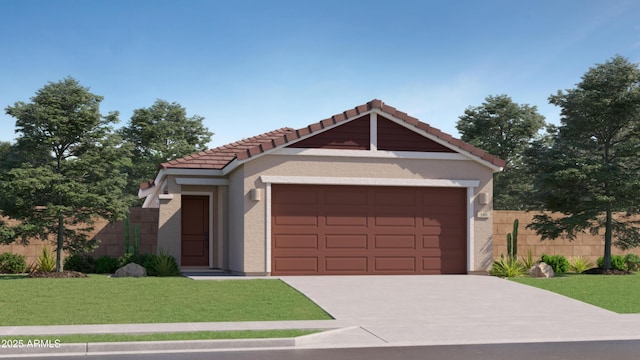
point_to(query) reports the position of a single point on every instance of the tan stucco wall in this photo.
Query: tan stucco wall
(252, 256)
(169, 221)
(237, 204)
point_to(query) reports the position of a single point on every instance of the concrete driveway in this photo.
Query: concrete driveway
(452, 309)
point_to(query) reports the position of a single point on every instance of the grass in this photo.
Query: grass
(99, 299)
(618, 293)
(196, 335)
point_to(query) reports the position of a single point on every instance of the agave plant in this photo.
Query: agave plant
(508, 267)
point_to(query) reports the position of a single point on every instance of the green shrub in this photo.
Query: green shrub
(617, 262)
(578, 264)
(162, 265)
(80, 262)
(12, 263)
(508, 267)
(559, 263)
(46, 262)
(139, 259)
(106, 265)
(632, 261)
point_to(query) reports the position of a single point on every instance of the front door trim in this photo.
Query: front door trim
(210, 195)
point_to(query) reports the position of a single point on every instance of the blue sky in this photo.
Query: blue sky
(251, 66)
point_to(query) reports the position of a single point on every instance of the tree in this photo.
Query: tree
(73, 174)
(505, 129)
(591, 169)
(160, 133)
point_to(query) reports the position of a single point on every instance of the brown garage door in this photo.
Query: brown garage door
(349, 230)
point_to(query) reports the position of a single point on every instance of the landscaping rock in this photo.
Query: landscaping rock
(131, 270)
(542, 270)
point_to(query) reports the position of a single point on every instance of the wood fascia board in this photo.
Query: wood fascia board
(201, 181)
(381, 154)
(193, 172)
(322, 180)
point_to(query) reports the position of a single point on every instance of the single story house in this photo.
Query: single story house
(371, 190)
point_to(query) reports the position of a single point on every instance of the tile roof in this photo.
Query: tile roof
(220, 157)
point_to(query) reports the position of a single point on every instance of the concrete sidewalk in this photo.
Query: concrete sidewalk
(391, 311)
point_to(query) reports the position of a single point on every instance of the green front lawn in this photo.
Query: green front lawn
(99, 299)
(195, 335)
(618, 293)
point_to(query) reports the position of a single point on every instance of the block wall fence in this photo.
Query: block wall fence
(111, 236)
(586, 245)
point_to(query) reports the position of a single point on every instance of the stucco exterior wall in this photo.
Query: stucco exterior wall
(237, 204)
(254, 227)
(169, 220)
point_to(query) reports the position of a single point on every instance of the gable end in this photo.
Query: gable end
(354, 135)
(394, 137)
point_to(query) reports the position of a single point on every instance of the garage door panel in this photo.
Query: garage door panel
(345, 241)
(400, 264)
(369, 230)
(295, 264)
(296, 241)
(431, 242)
(346, 264)
(431, 263)
(349, 198)
(395, 242)
(394, 220)
(395, 197)
(298, 195)
(296, 216)
(346, 218)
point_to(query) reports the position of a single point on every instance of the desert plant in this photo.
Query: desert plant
(131, 248)
(617, 262)
(127, 235)
(80, 262)
(559, 263)
(578, 264)
(12, 263)
(512, 241)
(106, 265)
(508, 267)
(45, 262)
(528, 261)
(632, 261)
(136, 239)
(162, 264)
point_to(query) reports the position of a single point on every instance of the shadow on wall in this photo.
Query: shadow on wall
(486, 252)
(111, 237)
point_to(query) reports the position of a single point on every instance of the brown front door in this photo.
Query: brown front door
(195, 230)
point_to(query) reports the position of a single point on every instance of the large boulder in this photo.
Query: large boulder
(542, 270)
(131, 270)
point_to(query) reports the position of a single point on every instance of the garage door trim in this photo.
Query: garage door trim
(317, 180)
